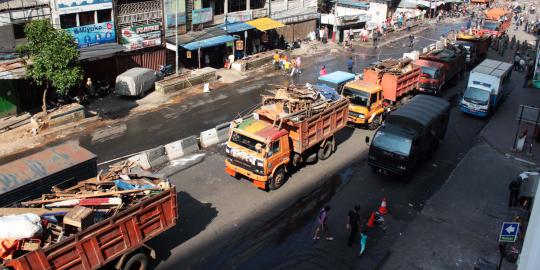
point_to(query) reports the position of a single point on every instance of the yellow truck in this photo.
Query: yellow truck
(295, 127)
(384, 85)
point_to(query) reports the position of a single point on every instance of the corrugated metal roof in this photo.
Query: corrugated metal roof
(236, 27)
(352, 3)
(265, 24)
(41, 164)
(210, 42)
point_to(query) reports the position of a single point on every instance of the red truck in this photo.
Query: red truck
(439, 67)
(476, 45)
(117, 241)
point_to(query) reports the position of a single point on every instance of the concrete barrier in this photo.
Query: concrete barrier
(208, 138)
(223, 131)
(182, 147)
(153, 158)
(178, 82)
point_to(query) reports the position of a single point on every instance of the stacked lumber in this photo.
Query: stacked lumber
(67, 210)
(294, 103)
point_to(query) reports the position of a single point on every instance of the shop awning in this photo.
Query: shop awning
(100, 51)
(236, 27)
(266, 23)
(210, 42)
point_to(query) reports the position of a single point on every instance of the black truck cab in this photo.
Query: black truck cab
(408, 135)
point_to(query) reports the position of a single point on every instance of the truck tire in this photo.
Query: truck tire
(138, 261)
(326, 150)
(375, 123)
(278, 180)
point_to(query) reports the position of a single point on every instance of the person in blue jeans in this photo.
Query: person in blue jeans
(350, 65)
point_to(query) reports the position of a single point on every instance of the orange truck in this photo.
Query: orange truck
(269, 144)
(384, 86)
(496, 22)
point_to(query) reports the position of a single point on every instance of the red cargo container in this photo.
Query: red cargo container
(119, 239)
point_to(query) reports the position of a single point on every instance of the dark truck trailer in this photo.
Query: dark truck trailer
(409, 134)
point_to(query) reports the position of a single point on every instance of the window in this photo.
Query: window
(18, 30)
(68, 20)
(373, 99)
(86, 18)
(103, 15)
(274, 148)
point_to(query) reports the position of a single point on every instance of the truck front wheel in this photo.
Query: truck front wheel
(138, 261)
(278, 179)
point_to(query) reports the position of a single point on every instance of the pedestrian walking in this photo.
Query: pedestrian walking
(522, 65)
(353, 224)
(363, 242)
(276, 60)
(322, 225)
(516, 62)
(322, 72)
(514, 188)
(350, 64)
(411, 41)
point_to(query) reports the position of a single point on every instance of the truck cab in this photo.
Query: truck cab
(476, 100)
(432, 76)
(366, 103)
(258, 150)
(336, 80)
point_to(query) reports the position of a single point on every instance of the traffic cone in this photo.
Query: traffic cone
(371, 220)
(383, 210)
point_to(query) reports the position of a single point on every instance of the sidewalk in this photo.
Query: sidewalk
(460, 224)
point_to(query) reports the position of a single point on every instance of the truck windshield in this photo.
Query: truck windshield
(491, 25)
(429, 72)
(476, 95)
(246, 142)
(392, 143)
(356, 97)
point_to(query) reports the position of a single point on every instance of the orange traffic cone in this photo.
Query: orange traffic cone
(371, 220)
(383, 210)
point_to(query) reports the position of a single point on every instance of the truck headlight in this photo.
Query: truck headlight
(227, 150)
(401, 167)
(259, 163)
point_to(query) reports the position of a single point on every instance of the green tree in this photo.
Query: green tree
(53, 58)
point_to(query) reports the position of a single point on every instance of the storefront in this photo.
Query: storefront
(244, 34)
(266, 38)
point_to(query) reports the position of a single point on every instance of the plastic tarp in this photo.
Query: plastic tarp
(419, 112)
(210, 42)
(135, 81)
(236, 27)
(327, 92)
(266, 23)
(496, 13)
(18, 227)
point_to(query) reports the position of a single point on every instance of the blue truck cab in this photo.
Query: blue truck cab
(488, 84)
(336, 80)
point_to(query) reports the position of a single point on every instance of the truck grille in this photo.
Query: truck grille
(245, 165)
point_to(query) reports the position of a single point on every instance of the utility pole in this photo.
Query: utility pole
(334, 27)
(176, 33)
(269, 8)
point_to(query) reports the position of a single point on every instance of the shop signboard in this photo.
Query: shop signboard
(141, 36)
(94, 34)
(202, 15)
(73, 6)
(170, 6)
(239, 16)
(239, 45)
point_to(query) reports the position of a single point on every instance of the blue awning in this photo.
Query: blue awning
(210, 42)
(236, 27)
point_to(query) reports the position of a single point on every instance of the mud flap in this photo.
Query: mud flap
(230, 171)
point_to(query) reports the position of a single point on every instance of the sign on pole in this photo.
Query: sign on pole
(509, 232)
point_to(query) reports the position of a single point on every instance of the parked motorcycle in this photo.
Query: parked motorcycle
(103, 89)
(165, 70)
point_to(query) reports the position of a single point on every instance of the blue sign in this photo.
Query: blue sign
(73, 6)
(94, 34)
(509, 232)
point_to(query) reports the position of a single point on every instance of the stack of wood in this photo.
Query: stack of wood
(394, 66)
(293, 103)
(68, 210)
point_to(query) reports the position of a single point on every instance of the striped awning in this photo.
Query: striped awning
(266, 23)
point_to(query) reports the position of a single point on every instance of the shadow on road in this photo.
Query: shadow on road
(193, 217)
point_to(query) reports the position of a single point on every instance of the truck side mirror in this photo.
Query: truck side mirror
(367, 140)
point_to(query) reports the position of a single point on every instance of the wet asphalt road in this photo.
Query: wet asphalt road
(202, 112)
(229, 224)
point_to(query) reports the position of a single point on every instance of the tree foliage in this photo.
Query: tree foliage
(53, 57)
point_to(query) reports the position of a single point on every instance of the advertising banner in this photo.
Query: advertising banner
(170, 13)
(239, 16)
(72, 6)
(202, 15)
(142, 36)
(94, 34)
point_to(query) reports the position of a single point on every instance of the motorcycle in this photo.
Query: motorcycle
(103, 89)
(165, 70)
